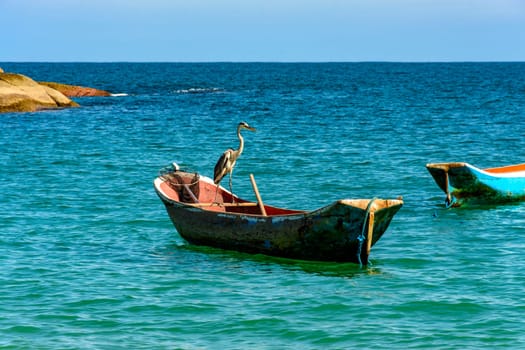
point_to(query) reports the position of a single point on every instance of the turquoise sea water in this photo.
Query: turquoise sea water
(90, 260)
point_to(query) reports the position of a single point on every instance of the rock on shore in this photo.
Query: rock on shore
(19, 93)
(74, 90)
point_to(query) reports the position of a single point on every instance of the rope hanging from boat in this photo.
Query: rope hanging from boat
(448, 199)
(361, 237)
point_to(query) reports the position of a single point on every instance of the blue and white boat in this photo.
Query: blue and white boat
(465, 184)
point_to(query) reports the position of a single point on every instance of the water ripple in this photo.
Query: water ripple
(90, 260)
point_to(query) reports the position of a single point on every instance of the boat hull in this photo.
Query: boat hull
(465, 184)
(343, 231)
(328, 234)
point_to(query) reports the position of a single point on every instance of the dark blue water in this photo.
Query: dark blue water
(89, 258)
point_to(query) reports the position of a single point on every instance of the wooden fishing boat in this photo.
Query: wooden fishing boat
(466, 184)
(343, 231)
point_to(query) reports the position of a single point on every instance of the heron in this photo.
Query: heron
(228, 159)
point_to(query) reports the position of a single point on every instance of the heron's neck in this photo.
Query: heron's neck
(241, 141)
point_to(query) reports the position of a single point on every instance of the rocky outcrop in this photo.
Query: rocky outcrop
(19, 93)
(75, 91)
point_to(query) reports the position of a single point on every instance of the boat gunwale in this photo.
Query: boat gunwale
(204, 207)
(361, 203)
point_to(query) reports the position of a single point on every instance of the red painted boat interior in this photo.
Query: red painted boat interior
(204, 195)
(506, 169)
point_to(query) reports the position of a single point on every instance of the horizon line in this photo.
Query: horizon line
(269, 62)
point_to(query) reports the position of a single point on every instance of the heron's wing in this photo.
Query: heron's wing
(222, 167)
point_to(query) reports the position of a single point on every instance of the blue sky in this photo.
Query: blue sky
(262, 30)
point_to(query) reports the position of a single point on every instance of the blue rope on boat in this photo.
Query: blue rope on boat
(361, 237)
(451, 202)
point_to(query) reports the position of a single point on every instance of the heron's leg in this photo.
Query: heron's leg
(231, 189)
(216, 192)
